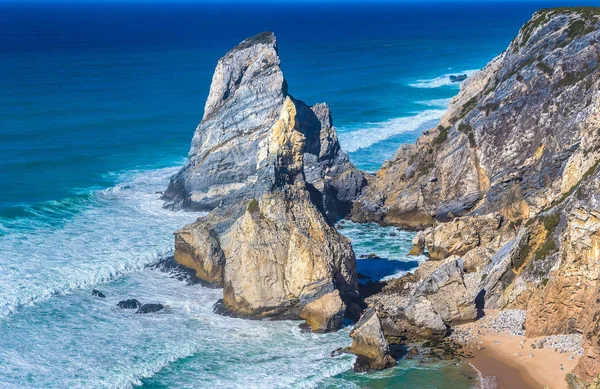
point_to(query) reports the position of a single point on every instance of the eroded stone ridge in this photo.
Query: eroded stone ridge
(275, 168)
(506, 193)
(519, 135)
(228, 158)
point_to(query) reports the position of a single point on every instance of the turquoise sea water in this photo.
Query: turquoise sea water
(98, 104)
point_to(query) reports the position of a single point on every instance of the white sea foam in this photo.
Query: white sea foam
(440, 81)
(80, 341)
(372, 133)
(115, 231)
(438, 103)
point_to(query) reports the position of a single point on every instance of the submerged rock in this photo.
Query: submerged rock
(458, 78)
(369, 344)
(129, 304)
(150, 308)
(97, 293)
(228, 160)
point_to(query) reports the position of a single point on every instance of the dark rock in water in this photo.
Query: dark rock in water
(150, 308)
(459, 78)
(370, 256)
(339, 226)
(182, 273)
(337, 352)
(97, 293)
(393, 234)
(129, 304)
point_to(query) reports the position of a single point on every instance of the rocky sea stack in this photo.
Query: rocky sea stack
(506, 194)
(271, 171)
(229, 160)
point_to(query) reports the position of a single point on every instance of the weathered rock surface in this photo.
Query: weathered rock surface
(516, 195)
(326, 313)
(282, 254)
(369, 344)
(519, 135)
(461, 235)
(272, 169)
(228, 158)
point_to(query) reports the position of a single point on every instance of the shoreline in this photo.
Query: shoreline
(507, 361)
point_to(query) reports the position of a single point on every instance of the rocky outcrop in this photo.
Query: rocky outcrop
(509, 182)
(228, 161)
(369, 344)
(281, 255)
(272, 171)
(425, 305)
(515, 140)
(325, 313)
(461, 235)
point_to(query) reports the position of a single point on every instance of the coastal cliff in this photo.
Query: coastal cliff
(519, 135)
(505, 195)
(271, 171)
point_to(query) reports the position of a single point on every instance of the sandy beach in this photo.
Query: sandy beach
(512, 362)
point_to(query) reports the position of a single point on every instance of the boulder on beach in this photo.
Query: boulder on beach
(369, 344)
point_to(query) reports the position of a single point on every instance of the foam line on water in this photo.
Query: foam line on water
(120, 230)
(437, 82)
(371, 133)
(79, 341)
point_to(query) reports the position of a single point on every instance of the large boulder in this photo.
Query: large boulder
(282, 254)
(227, 161)
(442, 299)
(369, 344)
(326, 313)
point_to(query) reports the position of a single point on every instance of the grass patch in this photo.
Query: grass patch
(544, 68)
(491, 107)
(545, 281)
(253, 206)
(468, 107)
(483, 277)
(547, 248)
(550, 222)
(441, 136)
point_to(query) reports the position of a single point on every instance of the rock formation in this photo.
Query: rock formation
(228, 160)
(519, 135)
(509, 182)
(369, 344)
(272, 173)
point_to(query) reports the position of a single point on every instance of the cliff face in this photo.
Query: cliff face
(227, 161)
(272, 171)
(509, 182)
(519, 135)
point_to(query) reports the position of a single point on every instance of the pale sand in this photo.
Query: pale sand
(499, 354)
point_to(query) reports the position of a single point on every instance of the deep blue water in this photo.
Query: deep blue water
(98, 104)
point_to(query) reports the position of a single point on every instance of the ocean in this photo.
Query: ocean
(98, 104)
